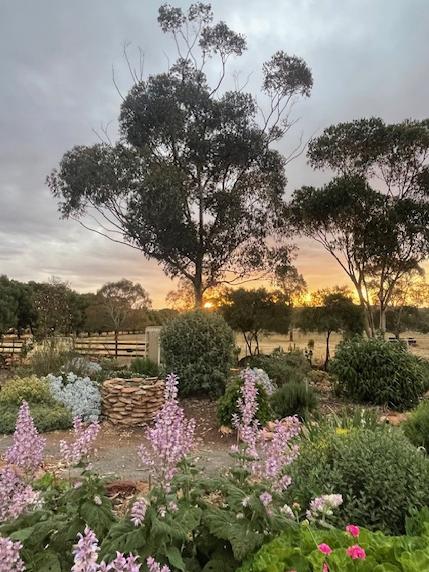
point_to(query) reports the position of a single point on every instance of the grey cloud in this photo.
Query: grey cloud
(368, 58)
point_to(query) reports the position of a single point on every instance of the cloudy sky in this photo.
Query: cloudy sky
(368, 57)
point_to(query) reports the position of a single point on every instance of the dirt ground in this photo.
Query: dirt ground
(116, 449)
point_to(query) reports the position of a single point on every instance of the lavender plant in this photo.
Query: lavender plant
(77, 451)
(10, 560)
(79, 394)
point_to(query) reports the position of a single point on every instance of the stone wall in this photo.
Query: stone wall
(132, 402)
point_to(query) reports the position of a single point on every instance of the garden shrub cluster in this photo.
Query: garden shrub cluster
(294, 398)
(48, 414)
(372, 370)
(198, 347)
(306, 549)
(144, 366)
(79, 395)
(280, 366)
(416, 427)
(381, 476)
(227, 404)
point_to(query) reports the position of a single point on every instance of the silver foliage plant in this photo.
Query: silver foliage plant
(79, 394)
(262, 379)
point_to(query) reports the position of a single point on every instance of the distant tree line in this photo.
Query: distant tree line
(54, 308)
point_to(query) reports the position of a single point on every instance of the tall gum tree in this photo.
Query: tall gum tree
(194, 181)
(373, 218)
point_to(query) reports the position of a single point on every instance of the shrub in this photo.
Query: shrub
(416, 427)
(31, 389)
(294, 398)
(282, 367)
(50, 357)
(47, 417)
(144, 366)
(297, 549)
(380, 475)
(227, 404)
(79, 395)
(198, 347)
(379, 372)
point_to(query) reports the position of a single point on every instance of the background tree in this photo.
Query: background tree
(195, 182)
(332, 311)
(294, 289)
(410, 295)
(391, 235)
(119, 300)
(51, 303)
(253, 312)
(8, 306)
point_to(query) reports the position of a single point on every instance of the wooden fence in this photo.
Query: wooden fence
(96, 347)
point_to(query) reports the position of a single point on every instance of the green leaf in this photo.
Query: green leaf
(47, 562)
(175, 558)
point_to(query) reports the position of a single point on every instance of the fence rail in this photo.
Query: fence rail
(96, 347)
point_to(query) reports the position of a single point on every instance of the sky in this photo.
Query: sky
(368, 58)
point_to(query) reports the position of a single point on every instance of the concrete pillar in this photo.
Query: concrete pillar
(153, 345)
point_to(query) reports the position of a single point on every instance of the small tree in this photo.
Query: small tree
(333, 311)
(253, 312)
(52, 305)
(293, 287)
(119, 299)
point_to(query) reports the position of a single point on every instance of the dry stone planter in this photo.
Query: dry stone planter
(132, 402)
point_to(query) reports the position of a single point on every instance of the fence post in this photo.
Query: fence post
(153, 345)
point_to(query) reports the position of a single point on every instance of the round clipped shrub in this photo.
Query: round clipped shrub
(31, 389)
(227, 404)
(381, 476)
(282, 367)
(295, 398)
(375, 371)
(198, 347)
(416, 427)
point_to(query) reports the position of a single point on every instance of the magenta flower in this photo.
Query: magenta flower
(170, 439)
(353, 530)
(155, 567)
(28, 447)
(356, 552)
(325, 549)
(10, 560)
(83, 444)
(138, 512)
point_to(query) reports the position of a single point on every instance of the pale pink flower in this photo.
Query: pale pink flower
(265, 498)
(245, 421)
(356, 552)
(10, 560)
(170, 439)
(73, 453)
(28, 446)
(138, 512)
(155, 567)
(16, 497)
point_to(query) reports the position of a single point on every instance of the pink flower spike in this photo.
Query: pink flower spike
(356, 552)
(353, 530)
(325, 567)
(324, 548)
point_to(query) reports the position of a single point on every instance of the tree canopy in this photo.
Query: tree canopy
(253, 312)
(377, 235)
(195, 181)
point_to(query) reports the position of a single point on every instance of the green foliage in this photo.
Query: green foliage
(50, 356)
(282, 367)
(198, 347)
(381, 476)
(47, 417)
(254, 311)
(49, 534)
(31, 389)
(227, 404)
(144, 366)
(379, 372)
(296, 548)
(416, 427)
(294, 398)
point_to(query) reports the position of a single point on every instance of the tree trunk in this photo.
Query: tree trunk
(116, 344)
(382, 324)
(327, 355)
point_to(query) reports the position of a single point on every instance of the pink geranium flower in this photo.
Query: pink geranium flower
(356, 552)
(353, 530)
(324, 548)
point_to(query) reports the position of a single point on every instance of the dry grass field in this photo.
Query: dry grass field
(268, 343)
